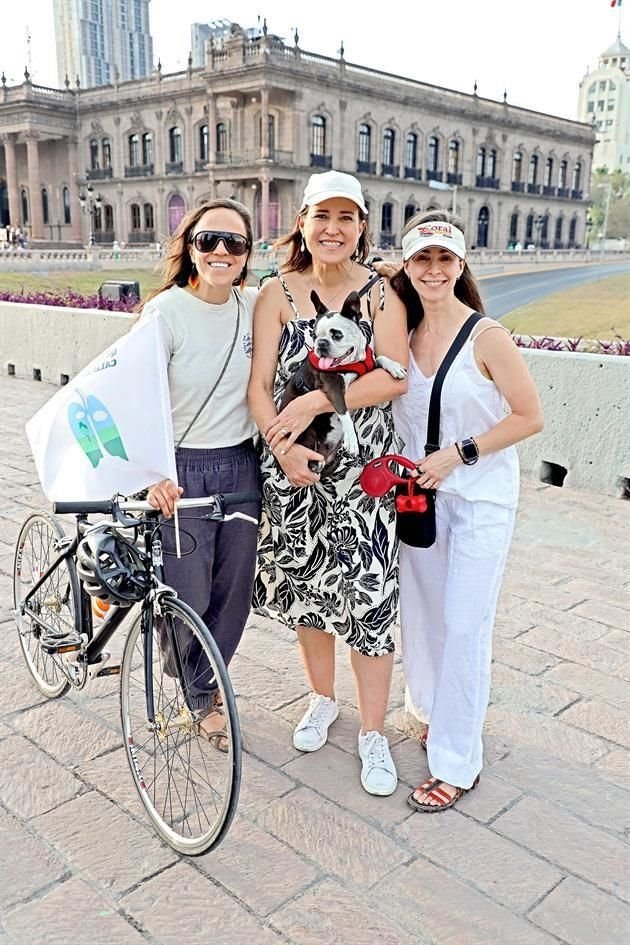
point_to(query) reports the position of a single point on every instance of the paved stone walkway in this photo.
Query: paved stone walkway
(535, 856)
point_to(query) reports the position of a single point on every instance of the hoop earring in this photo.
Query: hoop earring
(193, 279)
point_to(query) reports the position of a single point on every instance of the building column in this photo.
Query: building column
(34, 186)
(212, 129)
(264, 205)
(264, 123)
(73, 187)
(158, 146)
(12, 182)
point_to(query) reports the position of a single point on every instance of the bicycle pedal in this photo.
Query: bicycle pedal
(52, 648)
(109, 671)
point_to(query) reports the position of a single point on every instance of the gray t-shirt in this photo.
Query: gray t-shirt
(197, 337)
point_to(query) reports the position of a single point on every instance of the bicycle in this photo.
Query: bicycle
(188, 786)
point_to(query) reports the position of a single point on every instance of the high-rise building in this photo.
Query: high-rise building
(604, 102)
(102, 40)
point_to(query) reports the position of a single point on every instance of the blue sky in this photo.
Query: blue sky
(538, 50)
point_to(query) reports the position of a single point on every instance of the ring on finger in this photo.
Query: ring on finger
(285, 431)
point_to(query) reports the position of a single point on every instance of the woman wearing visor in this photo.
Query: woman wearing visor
(206, 320)
(449, 591)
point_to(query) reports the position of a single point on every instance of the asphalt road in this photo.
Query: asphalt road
(502, 294)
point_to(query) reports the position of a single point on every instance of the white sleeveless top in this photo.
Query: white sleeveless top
(471, 405)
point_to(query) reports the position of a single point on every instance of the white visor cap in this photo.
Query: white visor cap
(434, 233)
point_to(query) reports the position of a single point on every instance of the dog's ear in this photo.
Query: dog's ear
(320, 308)
(352, 307)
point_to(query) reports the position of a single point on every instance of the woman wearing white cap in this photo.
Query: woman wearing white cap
(327, 555)
(449, 591)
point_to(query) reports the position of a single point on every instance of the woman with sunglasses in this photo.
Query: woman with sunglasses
(206, 318)
(327, 554)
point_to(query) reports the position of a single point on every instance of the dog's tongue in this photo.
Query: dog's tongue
(325, 363)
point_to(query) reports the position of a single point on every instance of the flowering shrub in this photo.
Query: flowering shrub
(71, 299)
(588, 345)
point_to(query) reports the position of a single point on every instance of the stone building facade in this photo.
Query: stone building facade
(256, 120)
(604, 101)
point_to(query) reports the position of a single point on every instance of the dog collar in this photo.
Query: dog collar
(356, 367)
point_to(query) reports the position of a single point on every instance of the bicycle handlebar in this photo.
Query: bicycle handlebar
(109, 506)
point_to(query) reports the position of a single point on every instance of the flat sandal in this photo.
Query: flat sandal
(433, 788)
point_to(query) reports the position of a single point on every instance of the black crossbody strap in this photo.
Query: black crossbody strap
(220, 377)
(433, 425)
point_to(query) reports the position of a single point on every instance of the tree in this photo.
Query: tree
(619, 210)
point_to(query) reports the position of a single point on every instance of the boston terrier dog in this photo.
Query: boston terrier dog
(340, 354)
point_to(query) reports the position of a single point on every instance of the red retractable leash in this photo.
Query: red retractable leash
(378, 477)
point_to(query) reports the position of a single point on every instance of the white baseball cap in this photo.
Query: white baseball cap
(434, 233)
(331, 184)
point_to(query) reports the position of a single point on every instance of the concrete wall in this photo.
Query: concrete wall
(585, 396)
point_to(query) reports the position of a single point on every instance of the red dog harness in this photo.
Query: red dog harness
(356, 367)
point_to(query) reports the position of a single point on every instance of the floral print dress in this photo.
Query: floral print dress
(328, 553)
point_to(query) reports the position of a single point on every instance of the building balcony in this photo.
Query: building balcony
(141, 236)
(488, 183)
(558, 244)
(200, 164)
(390, 170)
(386, 239)
(518, 186)
(413, 173)
(174, 167)
(564, 192)
(434, 175)
(139, 170)
(549, 191)
(99, 173)
(103, 236)
(454, 179)
(321, 160)
(533, 188)
(576, 195)
(366, 167)
(246, 158)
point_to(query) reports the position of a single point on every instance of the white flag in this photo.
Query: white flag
(109, 429)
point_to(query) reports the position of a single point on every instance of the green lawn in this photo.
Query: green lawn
(84, 281)
(598, 309)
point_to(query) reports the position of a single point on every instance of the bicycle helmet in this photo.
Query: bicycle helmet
(111, 567)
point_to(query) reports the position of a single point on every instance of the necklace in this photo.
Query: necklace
(333, 300)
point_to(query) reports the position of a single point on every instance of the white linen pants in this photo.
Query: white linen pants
(448, 600)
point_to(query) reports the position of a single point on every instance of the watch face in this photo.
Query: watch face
(469, 450)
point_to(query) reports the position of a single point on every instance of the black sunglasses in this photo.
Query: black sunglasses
(206, 241)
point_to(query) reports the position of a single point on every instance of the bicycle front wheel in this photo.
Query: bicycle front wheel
(188, 785)
(54, 610)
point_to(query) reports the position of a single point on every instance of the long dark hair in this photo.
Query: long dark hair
(177, 264)
(466, 288)
(298, 259)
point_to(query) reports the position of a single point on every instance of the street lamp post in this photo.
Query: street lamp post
(90, 203)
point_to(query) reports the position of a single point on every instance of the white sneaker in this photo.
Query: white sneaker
(378, 774)
(312, 729)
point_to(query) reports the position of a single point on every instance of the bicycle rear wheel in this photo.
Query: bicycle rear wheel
(189, 787)
(56, 604)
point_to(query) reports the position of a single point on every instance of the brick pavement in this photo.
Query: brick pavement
(535, 856)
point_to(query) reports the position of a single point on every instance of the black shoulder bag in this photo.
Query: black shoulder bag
(415, 507)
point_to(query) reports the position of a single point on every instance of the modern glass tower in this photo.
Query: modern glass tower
(101, 40)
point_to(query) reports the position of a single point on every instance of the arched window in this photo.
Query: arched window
(532, 179)
(203, 143)
(492, 163)
(174, 145)
(558, 234)
(389, 146)
(134, 150)
(365, 144)
(411, 152)
(577, 176)
(544, 232)
(271, 132)
(147, 148)
(222, 137)
(107, 152)
(108, 217)
(453, 157)
(529, 229)
(572, 232)
(409, 211)
(433, 154)
(481, 162)
(517, 167)
(136, 219)
(563, 174)
(176, 210)
(483, 223)
(549, 172)
(514, 228)
(45, 209)
(318, 136)
(65, 200)
(93, 155)
(98, 219)
(148, 216)
(387, 218)
(24, 201)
